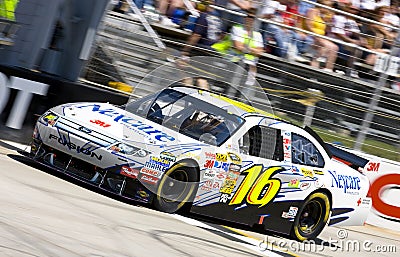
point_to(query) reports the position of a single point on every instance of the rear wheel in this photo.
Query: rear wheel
(176, 188)
(311, 217)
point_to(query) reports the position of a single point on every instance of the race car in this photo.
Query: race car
(188, 149)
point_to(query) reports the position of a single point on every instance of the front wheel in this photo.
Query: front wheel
(311, 217)
(176, 188)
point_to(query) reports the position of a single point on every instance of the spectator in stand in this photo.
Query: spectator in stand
(122, 6)
(272, 32)
(231, 19)
(387, 36)
(367, 8)
(144, 4)
(345, 28)
(391, 18)
(166, 9)
(300, 40)
(207, 30)
(316, 21)
(304, 6)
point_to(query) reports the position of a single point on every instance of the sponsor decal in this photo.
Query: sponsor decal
(228, 186)
(305, 185)
(168, 156)
(149, 179)
(217, 184)
(221, 157)
(373, 166)
(364, 202)
(210, 164)
(234, 167)
(220, 175)
(235, 159)
(229, 183)
(50, 119)
(318, 183)
(232, 175)
(349, 184)
(85, 130)
(190, 155)
(294, 183)
(210, 174)
(318, 172)
(207, 185)
(210, 155)
(129, 122)
(224, 198)
(295, 169)
(85, 149)
(287, 153)
(307, 173)
(129, 172)
(100, 123)
(379, 185)
(160, 161)
(142, 195)
(291, 214)
(221, 165)
(150, 172)
(155, 166)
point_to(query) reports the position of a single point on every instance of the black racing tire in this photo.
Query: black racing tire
(177, 188)
(311, 217)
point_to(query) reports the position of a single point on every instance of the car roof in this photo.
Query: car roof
(223, 102)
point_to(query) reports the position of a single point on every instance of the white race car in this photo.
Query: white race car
(188, 148)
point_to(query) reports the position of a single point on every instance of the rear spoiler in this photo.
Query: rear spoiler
(354, 161)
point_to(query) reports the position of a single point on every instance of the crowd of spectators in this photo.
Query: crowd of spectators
(319, 32)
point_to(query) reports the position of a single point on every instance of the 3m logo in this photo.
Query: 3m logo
(373, 166)
(100, 123)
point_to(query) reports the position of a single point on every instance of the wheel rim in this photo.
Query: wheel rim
(175, 185)
(310, 217)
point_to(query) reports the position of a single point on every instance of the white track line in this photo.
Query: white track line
(17, 145)
(252, 243)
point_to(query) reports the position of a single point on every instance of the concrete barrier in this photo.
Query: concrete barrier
(384, 176)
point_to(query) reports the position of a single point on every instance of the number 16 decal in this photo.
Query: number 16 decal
(260, 190)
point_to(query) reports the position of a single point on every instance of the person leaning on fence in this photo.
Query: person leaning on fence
(243, 44)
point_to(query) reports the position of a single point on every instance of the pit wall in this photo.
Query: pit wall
(384, 176)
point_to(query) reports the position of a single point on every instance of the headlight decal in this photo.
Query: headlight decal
(129, 150)
(49, 118)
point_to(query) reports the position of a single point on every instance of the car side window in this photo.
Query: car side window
(264, 142)
(305, 153)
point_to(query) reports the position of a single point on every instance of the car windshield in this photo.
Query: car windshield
(188, 115)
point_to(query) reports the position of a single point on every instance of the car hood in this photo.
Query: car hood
(118, 123)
